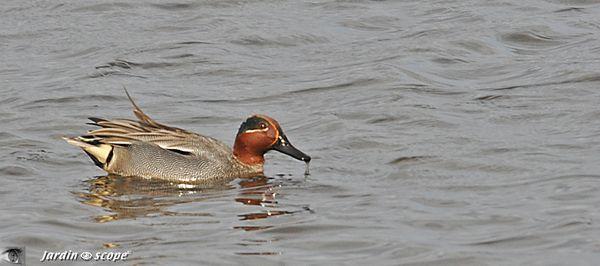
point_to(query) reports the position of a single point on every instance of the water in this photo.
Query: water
(442, 132)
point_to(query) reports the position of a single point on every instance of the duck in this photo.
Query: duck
(148, 149)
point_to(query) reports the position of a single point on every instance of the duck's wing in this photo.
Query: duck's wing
(126, 131)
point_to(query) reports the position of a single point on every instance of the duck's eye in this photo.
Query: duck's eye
(262, 125)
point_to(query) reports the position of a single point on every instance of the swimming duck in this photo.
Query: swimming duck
(146, 148)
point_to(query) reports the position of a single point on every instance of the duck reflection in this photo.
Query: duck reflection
(129, 198)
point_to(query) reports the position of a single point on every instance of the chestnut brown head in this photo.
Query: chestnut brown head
(260, 134)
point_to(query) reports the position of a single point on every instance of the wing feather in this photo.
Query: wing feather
(126, 131)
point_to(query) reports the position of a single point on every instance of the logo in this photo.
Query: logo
(86, 255)
(13, 256)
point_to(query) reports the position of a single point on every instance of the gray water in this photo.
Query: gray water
(442, 132)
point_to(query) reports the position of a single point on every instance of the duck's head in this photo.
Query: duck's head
(260, 134)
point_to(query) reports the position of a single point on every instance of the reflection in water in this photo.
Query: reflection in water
(260, 192)
(129, 197)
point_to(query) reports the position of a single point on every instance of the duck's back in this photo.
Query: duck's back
(146, 148)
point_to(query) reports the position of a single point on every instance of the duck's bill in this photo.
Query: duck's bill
(285, 147)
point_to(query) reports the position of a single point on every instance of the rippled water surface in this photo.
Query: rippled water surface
(442, 132)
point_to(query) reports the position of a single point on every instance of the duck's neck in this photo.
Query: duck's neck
(246, 155)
